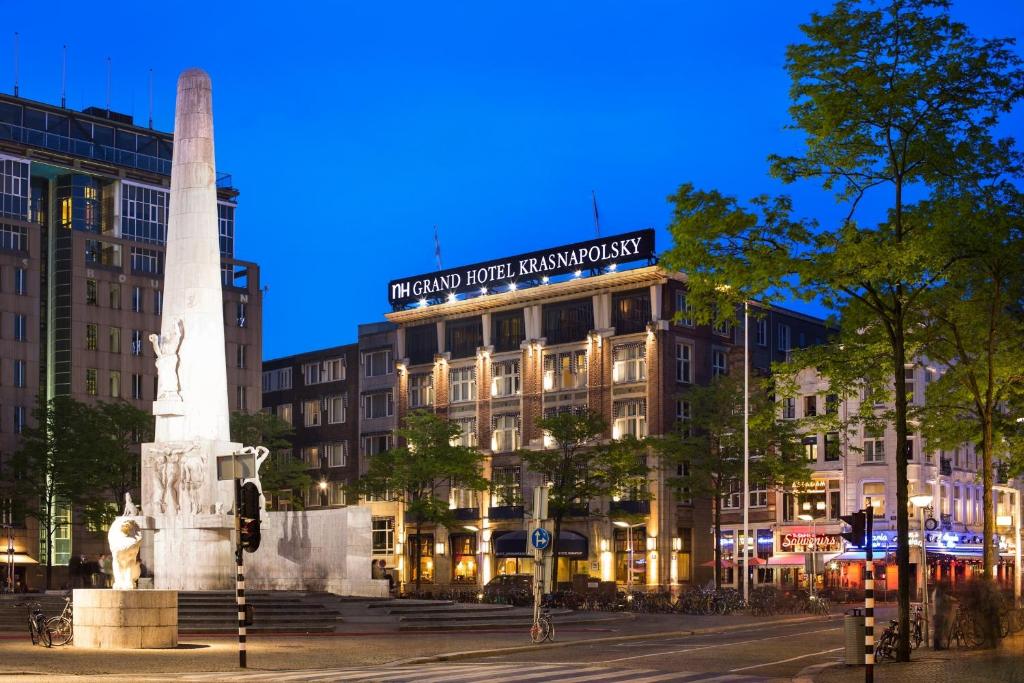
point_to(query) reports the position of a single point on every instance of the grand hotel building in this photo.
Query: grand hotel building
(608, 343)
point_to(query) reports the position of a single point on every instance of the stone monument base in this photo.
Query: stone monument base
(134, 620)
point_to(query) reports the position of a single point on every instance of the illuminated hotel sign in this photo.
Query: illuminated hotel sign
(491, 276)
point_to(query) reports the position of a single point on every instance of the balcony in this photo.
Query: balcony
(466, 514)
(630, 507)
(505, 512)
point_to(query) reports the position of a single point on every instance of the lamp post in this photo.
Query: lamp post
(921, 502)
(813, 519)
(629, 548)
(746, 450)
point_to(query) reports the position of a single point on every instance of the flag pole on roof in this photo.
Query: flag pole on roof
(437, 248)
(597, 217)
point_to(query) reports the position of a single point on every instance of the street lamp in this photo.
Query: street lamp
(746, 449)
(922, 501)
(629, 547)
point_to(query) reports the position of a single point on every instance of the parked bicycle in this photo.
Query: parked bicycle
(37, 630)
(964, 631)
(61, 627)
(543, 628)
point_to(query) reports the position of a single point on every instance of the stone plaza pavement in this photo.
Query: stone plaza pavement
(1003, 665)
(19, 660)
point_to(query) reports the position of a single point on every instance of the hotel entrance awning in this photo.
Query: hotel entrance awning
(19, 558)
(515, 544)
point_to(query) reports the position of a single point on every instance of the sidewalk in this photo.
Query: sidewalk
(1003, 665)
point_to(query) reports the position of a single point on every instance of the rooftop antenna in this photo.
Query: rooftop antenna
(64, 79)
(151, 99)
(16, 40)
(109, 66)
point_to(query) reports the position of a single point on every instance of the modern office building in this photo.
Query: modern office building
(83, 223)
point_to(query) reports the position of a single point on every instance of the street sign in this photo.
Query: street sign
(236, 466)
(540, 538)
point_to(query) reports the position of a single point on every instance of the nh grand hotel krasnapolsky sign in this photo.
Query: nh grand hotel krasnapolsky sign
(492, 276)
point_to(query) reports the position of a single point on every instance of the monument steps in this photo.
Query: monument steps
(460, 609)
(14, 618)
(274, 611)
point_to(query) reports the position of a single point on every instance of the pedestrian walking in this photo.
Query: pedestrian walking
(943, 605)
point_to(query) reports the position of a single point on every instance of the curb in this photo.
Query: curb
(470, 654)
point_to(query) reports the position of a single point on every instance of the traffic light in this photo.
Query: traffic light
(857, 522)
(249, 517)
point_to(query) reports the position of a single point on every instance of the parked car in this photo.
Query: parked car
(510, 589)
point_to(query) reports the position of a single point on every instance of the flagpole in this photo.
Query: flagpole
(597, 217)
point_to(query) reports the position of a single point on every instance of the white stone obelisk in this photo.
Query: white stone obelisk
(182, 500)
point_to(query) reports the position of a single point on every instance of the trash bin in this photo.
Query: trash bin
(853, 631)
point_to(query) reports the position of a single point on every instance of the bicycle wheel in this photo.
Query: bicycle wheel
(548, 628)
(32, 631)
(60, 631)
(44, 634)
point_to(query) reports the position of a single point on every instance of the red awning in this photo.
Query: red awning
(786, 561)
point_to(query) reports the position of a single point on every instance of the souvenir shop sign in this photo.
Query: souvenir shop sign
(806, 542)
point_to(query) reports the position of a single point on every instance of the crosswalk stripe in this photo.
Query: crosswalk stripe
(514, 676)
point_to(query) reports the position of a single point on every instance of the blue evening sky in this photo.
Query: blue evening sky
(352, 128)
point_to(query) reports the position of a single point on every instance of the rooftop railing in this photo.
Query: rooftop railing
(91, 150)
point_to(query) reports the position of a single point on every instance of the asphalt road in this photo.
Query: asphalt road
(772, 651)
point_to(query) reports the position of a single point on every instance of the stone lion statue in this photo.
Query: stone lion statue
(125, 538)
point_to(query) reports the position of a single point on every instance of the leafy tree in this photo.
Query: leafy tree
(710, 447)
(976, 335)
(582, 467)
(898, 100)
(419, 472)
(122, 427)
(57, 465)
(281, 472)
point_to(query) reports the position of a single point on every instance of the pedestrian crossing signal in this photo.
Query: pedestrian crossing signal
(858, 522)
(249, 517)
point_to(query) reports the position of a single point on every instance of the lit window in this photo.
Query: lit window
(875, 492)
(311, 413)
(284, 412)
(467, 432)
(462, 385)
(90, 381)
(505, 433)
(91, 336)
(337, 409)
(421, 390)
(629, 363)
(383, 535)
(565, 370)
(91, 293)
(630, 419)
(337, 453)
(505, 378)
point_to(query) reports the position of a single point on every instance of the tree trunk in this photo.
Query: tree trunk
(902, 495)
(989, 557)
(718, 541)
(554, 551)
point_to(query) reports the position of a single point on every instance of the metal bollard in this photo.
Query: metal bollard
(853, 637)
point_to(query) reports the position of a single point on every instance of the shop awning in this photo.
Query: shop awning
(19, 558)
(786, 561)
(515, 544)
(859, 556)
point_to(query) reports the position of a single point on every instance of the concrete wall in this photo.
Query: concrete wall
(315, 550)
